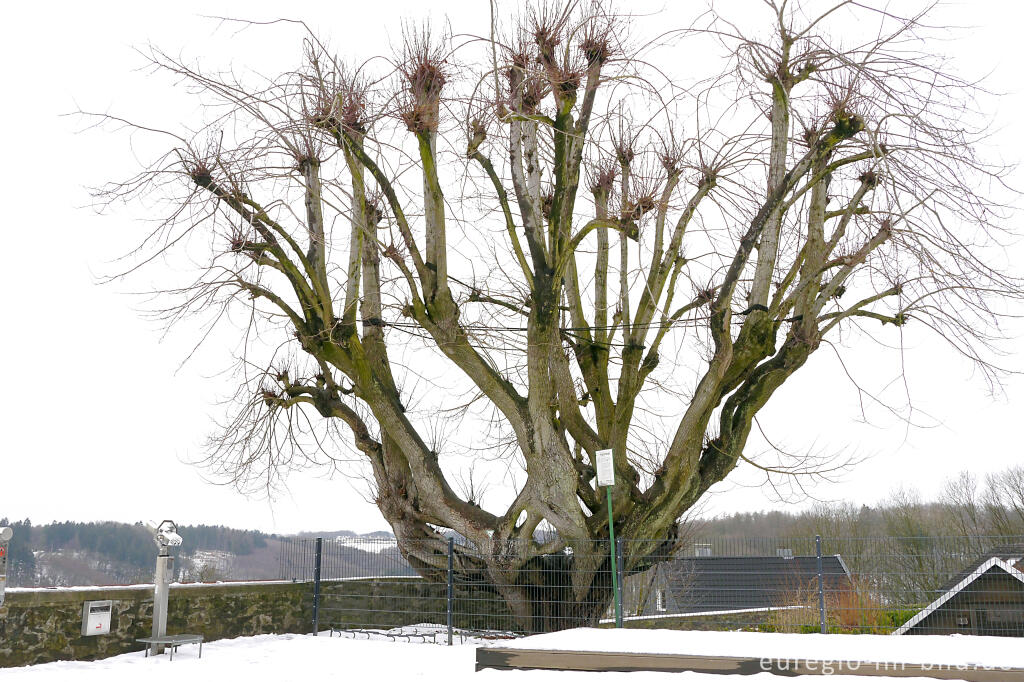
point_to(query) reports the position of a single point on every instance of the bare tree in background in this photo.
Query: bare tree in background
(541, 239)
(1003, 500)
(983, 515)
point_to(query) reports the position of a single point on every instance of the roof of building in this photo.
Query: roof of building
(1013, 554)
(745, 582)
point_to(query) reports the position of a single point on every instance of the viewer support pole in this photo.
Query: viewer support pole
(161, 592)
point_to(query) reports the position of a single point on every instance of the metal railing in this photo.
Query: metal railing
(885, 585)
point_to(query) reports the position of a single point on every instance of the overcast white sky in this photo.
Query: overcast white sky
(98, 414)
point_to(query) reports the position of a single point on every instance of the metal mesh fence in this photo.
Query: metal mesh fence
(883, 585)
(367, 584)
(64, 567)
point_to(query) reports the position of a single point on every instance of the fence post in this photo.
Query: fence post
(318, 556)
(451, 586)
(618, 583)
(821, 586)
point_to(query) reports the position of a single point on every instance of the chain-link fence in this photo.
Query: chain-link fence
(887, 585)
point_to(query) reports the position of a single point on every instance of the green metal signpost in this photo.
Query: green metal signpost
(606, 477)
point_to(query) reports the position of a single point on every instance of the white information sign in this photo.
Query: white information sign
(605, 468)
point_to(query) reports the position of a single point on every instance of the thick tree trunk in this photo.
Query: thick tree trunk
(554, 592)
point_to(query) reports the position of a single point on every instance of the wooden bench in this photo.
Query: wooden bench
(174, 641)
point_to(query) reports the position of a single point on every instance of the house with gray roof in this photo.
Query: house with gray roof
(986, 598)
(710, 584)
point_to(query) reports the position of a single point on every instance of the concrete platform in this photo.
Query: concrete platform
(598, 661)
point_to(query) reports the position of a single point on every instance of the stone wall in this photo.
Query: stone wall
(42, 625)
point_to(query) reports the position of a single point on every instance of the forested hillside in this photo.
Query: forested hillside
(968, 506)
(73, 553)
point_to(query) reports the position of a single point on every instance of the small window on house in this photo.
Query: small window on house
(659, 599)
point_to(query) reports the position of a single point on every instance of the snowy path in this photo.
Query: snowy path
(301, 658)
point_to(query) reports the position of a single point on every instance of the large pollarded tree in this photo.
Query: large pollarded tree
(539, 235)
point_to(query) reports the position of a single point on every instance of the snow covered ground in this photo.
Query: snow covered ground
(372, 545)
(287, 658)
